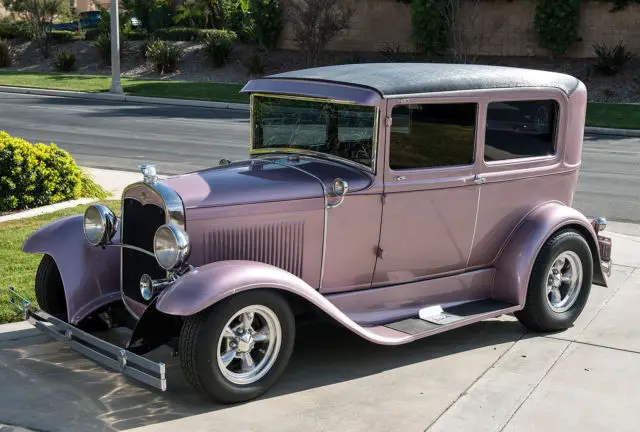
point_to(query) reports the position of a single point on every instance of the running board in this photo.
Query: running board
(434, 319)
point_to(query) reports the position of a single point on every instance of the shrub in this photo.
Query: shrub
(14, 29)
(64, 36)
(428, 26)
(391, 52)
(611, 60)
(103, 46)
(316, 22)
(218, 44)
(6, 53)
(177, 34)
(556, 24)
(237, 17)
(164, 56)
(92, 33)
(65, 61)
(136, 35)
(33, 175)
(255, 62)
(267, 21)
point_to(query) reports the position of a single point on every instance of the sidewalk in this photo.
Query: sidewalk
(491, 376)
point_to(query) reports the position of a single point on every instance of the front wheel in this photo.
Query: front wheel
(237, 349)
(560, 283)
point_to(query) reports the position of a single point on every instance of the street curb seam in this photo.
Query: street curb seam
(611, 131)
(37, 211)
(126, 98)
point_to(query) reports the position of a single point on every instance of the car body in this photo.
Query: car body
(86, 20)
(400, 200)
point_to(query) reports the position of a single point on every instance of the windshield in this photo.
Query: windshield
(342, 130)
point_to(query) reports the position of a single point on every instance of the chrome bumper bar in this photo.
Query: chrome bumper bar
(98, 350)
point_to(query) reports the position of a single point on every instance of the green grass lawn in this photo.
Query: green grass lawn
(613, 115)
(18, 268)
(157, 88)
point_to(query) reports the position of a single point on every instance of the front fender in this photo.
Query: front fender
(207, 285)
(90, 275)
(515, 261)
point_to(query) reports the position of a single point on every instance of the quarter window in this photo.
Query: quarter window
(520, 129)
(432, 135)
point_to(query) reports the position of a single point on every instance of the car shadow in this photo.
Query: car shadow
(76, 394)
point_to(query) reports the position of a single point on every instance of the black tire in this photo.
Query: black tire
(50, 290)
(537, 314)
(198, 346)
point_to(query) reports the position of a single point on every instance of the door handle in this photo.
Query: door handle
(479, 180)
(399, 178)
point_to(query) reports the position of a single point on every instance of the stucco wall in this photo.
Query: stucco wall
(506, 26)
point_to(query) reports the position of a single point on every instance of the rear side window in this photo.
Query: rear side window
(520, 129)
(432, 135)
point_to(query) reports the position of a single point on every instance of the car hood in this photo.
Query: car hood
(264, 180)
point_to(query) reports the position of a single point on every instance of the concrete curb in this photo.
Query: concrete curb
(45, 209)
(609, 131)
(18, 330)
(126, 98)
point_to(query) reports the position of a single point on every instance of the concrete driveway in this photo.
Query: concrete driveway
(491, 376)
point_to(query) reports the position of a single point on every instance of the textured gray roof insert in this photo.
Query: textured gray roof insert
(408, 78)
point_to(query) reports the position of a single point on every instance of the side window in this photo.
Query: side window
(520, 129)
(432, 135)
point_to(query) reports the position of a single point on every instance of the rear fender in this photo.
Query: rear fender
(211, 283)
(514, 263)
(90, 275)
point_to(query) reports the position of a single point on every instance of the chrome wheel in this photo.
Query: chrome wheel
(564, 281)
(249, 344)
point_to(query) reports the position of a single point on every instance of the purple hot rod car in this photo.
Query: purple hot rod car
(400, 200)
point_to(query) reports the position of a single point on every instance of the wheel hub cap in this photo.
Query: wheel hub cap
(564, 281)
(249, 344)
(244, 342)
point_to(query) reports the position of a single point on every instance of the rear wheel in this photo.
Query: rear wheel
(560, 283)
(237, 349)
(50, 290)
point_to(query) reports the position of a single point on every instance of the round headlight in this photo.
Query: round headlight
(171, 246)
(99, 224)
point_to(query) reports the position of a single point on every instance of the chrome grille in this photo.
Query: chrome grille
(139, 224)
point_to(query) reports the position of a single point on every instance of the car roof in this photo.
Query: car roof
(392, 79)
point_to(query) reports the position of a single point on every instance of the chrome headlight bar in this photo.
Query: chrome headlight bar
(99, 224)
(171, 245)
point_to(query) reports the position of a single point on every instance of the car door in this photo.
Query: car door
(430, 192)
(520, 159)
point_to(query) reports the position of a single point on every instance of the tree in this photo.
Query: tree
(316, 22)
(39, 15)
(467, 31)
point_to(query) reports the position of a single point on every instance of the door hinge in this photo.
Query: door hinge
(388, 121)
(383, 197)
(379, 252)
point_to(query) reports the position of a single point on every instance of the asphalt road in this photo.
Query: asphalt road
(178, 139)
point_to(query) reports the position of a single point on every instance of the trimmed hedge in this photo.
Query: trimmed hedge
(178, 34)
(33, 175)
(13, 30)
(218, 45)
(63, 36)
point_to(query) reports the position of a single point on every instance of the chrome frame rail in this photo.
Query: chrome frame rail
(98, 350)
